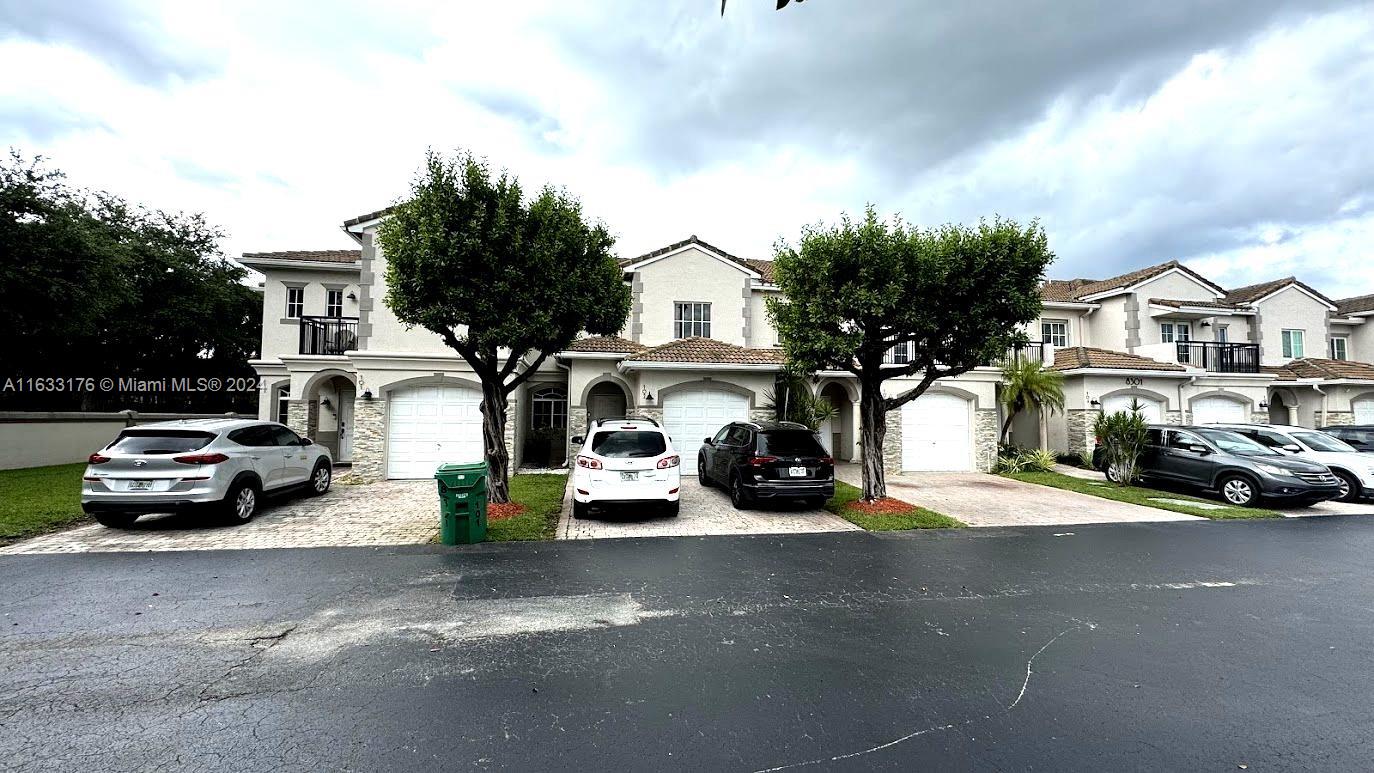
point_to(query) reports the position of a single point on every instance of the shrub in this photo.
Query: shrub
(1122, 436)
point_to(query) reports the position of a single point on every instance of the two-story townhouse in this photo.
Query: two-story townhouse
(697, 352)
(1186, 350)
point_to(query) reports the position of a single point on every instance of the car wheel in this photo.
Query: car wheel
(1238, 490)
(671, 509)
(1113, 473)
(116, 520)
(1350, 488)
(702, 477)
(321, 478)
(738, 496)
(580, 509)
(241, 504)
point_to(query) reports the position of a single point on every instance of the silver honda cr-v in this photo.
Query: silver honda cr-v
(223, 464)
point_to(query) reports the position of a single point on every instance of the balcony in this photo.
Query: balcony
(328, 335)
(1035, 351)
(1218, 357)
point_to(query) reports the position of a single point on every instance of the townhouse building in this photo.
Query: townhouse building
(699, 351)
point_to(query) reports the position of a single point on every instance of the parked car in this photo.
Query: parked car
(1355, 470)
(626, 460)
(773, 460)
(220, 464)
(1239, 469)
(1360, 437)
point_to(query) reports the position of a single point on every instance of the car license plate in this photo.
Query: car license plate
(629, 476)
(140, 485)
(797, 472)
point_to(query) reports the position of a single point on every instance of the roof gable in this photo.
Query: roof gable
(740, 264)
(1127, 281)
(1255, 293)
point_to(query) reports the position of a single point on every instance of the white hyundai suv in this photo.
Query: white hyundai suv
(1354, 469)
(626, 460)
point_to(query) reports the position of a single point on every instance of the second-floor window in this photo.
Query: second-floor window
(1340, 348)
(1169, 332)
(333, 303)
(1293, 344)
(1223, 334)
(1054, 332)
(691, 319)
(295, 301)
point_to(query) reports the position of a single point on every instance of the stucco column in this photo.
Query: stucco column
(369, 440)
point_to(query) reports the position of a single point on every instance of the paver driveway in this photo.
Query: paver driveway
(980, 499)
(704, 511)
(389, 513)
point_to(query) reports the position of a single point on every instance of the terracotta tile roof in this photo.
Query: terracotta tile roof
(614, 344)
(1356, 305)
(1074, 357)
(352, 221)
(1062, 290)
(1252, 293)
(1140, 275)
(1180, 303)
(318, 256)
(1315, 367)
(709, 350)
(763, 267)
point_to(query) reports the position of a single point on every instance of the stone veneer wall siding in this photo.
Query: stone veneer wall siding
(298, 416)
(578, 419)
(762, 414)
(1173, 417)
(986, 429)
(1259, 417)
(1338, 418)
(369, 440)
(892, 442)
(1081, 438)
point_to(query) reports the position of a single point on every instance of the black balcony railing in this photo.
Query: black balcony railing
(1033, 351)
(328, 335)
(1219, 357)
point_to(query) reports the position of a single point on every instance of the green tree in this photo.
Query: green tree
(1122, 436)
(504, 280)
(953, 297)
(1028, 384)
(791, 400)
(92, 286)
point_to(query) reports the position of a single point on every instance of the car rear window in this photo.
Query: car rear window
(160, 441)
(628, 444)
(790, 443)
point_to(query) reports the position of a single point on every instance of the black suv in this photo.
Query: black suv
(1360, 437)
(769, 460)
(1233, 465)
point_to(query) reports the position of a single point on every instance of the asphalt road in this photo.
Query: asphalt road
(1197, 646)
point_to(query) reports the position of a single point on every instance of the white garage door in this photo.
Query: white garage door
(430, 426)
(936, 434)
(1364, 411)
(693, 414)
(1218, 410)
(1150, 410)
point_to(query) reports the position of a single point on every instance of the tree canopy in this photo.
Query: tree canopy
(92, 286)
(504, 280)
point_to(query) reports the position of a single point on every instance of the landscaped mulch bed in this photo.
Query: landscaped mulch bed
(497, 511)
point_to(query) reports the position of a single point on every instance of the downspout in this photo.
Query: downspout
(1182, 404)
(1324, 398)
(1083, 327)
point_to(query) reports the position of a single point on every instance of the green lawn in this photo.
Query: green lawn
(542, 496)
(915, 518)
(1140, 496)
(36, 500)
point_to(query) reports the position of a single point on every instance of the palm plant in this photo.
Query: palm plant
(1027, 384)
(791, 400)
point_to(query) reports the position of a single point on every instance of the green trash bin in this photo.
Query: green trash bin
(462, 503)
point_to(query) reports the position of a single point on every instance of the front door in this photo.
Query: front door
(603, 406)
(345, 427)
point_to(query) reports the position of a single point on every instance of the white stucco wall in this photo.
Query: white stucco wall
(1106, 327)
(1074, 318)
(1291, 309)
(1175, 286)
(692, 275)
(385, 333)
(762, 333)
(281, 335)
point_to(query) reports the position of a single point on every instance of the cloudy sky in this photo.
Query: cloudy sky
(1235, 136)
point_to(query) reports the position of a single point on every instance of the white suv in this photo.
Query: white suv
(1354, 469)
(626, 460)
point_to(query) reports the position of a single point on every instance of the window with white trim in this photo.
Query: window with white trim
(1340, 347)
(283, 403)
(549, 408)
(295, 301)
(1054, 332)
(333, 303)
(1293, 344)
(691, 318)
(1223, 334)
(1170, 332)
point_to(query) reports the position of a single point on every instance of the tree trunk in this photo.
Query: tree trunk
(1044, 430)
(494, 442)
(1006, 425)
(873, 428)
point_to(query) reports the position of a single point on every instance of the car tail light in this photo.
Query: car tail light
(759, 461)
(201, 458)
(669, 461)
(589, 463)
(97, 459)
(827, 460)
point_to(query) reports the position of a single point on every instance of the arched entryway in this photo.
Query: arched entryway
(607, 399)
(545, 444)
(1281, 405)
(329, 399)
(837, 432)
